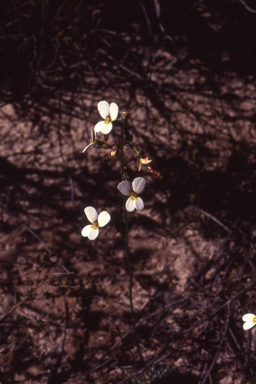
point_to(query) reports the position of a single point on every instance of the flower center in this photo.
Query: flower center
(254, 319)
(108, 120)
(94, 225)
(134, 196)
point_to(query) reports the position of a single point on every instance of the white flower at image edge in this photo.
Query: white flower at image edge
(109, 113)
(92, 230)
(132, 190)
(249, 321)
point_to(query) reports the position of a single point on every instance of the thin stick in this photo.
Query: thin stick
(25, 226)
(21, 302)
(213, 218)
(52, 376)
(62, 156)
(250, 10)
(219, 347)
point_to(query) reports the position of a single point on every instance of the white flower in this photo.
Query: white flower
(109, 113)
(250, 321)
(92, 230)
(132, 190)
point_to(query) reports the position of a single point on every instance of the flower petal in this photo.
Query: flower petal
(125, 187)
(91, 214)
(138, 184)
(145, 161)
(139, 204)
(248, 317)
(104, 218)
(107, 127)
(248, 325)
(93, 234)
(130, 205)
(99, 126)
(103, 108)
(86, 230)
(113, 109)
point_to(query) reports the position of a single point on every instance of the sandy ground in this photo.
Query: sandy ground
(199, 130)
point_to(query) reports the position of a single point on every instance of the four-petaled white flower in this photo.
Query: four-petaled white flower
(92, 230)
(132, 190)
(249, 321)
(109, 113)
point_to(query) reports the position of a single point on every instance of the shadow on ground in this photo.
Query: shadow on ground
(188, 82)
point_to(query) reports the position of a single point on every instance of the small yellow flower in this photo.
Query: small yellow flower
(144, 161)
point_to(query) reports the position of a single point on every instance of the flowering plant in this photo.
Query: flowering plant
(109, 112)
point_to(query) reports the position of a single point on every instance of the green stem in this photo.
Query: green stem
(127, 253)
(122, 152)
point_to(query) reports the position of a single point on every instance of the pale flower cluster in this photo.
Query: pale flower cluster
(109, 112)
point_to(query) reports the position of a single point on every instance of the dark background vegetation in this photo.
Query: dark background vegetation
(52, 48)
(46, 46)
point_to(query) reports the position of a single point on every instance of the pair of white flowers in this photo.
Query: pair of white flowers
(133, 202)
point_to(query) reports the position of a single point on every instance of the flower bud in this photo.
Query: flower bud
(154, 172)
(124, 115)
(114, 152)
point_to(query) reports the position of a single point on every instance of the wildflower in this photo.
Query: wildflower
(144, 161)
(109, 113)
(92, 230)
(249, 321)
(132, 190)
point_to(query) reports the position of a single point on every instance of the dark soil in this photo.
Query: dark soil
(188, 82)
